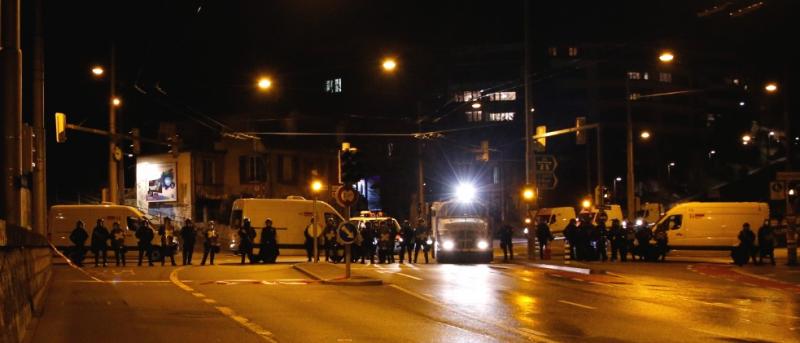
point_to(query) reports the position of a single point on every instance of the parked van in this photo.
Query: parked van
(289, 216)
(612, 211)
(556, 217)
(62, 219)
(711, 225)
(650, 213)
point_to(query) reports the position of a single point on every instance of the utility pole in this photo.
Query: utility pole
(629, 181)
(791, 233)
(113, 179)
(40, 172)
(530, 173)
(11, 59)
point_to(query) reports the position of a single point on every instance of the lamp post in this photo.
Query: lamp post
(316, 187)
(113, 102)
(665, 57)
(669, 170)
(617, 179)
(529, 195)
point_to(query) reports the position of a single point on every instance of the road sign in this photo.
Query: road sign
(546, 180)
(346, 233)
(777, 190)
(546, 163)
(346, 196)
(787, 176)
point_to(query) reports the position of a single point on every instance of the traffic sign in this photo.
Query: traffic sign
(777, 190)
(546, 180)
(346, 233)
(787, 176)
(546, 163)
(346, 196)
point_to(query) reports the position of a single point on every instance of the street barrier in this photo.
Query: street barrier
(567, 250)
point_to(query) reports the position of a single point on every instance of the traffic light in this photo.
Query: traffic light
(61, 127)
(540, 143)
(580, 135)
(137, 144)
(351, 168)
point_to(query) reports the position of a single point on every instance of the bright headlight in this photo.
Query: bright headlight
(448, 245)
(429, 241)
(525, 231)
(483, 245)
(639, 222)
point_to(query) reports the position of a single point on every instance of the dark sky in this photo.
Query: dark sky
(205, 55)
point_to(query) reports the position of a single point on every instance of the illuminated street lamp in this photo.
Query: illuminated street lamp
(528, 194)
(586, 203)
(771, 87)
(316, 188)
(666, 57)
(669, 170)
(465, 192)
(389, 64)
(116, 101)
(98, 71)
(264, 83)
(476, 105)
(746, 138)
(645, 135)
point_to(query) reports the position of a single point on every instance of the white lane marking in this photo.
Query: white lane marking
(578, 305)
(615, 274)
(198, 294)
(537, 333)
(227, 311)
(520, 332)
(210, 301)
(410, 276)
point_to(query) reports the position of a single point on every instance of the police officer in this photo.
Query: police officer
(747, 246)
(407, 238)
(268, 246)
(309, 241)
(118, 243)
(583, 240)
(544, 236)
(246, 235)
(145, 244)
(100, 238)
(571, 235)
(661, 238)
(601, 234)
(167, 234)
(616, 235)
(210, 243)
(385, 243)
(643, 237)
(78, 237)
(189, 236)
(766, 242)
(423, 240)
(330, 241)
(392, 239)
(369, 235)
(506, 243)
(630, 239)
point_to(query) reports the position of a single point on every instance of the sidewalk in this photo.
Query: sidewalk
(333, 274)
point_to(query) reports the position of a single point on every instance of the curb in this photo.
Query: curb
(340, 281)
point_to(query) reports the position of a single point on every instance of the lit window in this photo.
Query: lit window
(502, 96)
(333, 86)
(664, 77)
(634, 75)
(474, 116)
(467, 96)
(552, 51)
(646, 76)
(501, 116)
(572, 51)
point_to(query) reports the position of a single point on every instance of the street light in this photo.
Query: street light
(116, 101)
(669, 170)
(586, 203)
(264, 83)
(666, 57)
(98, 71)
(465, 192)
(771, 87)
(316, 187)
(746, 138)
(476, 105)
(528, 194)
(617, 179)
(645, 135)
(389, 64)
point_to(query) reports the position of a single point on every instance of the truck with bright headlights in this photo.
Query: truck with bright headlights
(461, 232)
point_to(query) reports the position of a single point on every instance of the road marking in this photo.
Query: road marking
(210, 301)
(524, 333)
(122, 281)
(410, 276)
(578, 305)
(199, 295)
(537, 333)
(227, 311)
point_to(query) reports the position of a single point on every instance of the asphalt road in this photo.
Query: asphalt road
(680, 301)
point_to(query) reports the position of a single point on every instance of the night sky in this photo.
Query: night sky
(190, 59)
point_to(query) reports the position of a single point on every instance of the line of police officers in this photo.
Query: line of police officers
(373, 237)
(101, 237)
